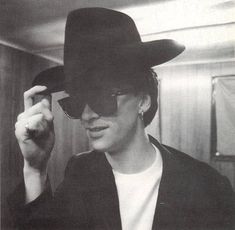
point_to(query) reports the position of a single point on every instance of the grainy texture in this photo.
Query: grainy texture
(185, 115)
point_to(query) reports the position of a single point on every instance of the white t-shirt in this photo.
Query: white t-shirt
(138, 195)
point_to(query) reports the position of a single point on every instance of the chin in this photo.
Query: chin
(99, 145)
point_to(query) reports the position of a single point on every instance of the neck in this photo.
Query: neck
(136, 156)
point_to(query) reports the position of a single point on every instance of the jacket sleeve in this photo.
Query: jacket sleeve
(215, 207)
(45, 212)
(25, 216)
(227, 204)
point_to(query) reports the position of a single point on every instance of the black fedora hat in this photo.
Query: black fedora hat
(105, 44)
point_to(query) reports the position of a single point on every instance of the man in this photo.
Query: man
(129, 180)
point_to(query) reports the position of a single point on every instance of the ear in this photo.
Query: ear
(145, 102)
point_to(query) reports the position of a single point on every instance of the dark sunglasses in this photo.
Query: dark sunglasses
(102, 102)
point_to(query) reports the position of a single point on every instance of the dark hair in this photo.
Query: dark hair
(152, 90)
(147, 83)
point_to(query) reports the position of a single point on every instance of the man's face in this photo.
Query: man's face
(112, 133)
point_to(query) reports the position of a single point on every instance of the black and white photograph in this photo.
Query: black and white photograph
(117, 115)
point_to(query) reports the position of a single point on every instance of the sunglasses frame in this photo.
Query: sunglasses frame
(113, 93)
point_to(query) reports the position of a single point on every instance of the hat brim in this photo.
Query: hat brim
(152, 53)
(53, 78)
(147, 53)
(161, 51)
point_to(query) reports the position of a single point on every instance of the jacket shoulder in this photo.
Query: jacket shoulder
(202, 178)
(207, 190)
(193, 165)
(82, 162)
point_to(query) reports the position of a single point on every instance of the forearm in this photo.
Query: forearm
(35, 182)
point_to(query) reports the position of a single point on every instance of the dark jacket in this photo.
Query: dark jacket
(192, 195)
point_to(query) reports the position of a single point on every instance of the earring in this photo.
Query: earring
(141, 113)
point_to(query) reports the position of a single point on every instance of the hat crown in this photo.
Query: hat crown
(93, 38)
(101, 27)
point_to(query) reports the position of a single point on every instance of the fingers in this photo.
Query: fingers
(42, 107)
(32, 127)
(36, 119)
(37, 124)
(29, 95)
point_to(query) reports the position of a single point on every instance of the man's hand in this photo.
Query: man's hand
(34, 130)
(35, 134)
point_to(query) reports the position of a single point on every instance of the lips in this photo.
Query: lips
(97, 129)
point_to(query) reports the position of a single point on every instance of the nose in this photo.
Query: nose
(88, 114)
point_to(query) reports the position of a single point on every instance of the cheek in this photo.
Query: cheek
(116, 136)
(128, 113)
(124, 122)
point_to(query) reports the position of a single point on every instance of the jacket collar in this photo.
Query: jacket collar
(172, 189)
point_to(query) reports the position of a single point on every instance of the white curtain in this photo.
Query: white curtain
(225, 115)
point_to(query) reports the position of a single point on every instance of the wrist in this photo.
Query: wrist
(28, 169)
(34, 176)
(35, 182)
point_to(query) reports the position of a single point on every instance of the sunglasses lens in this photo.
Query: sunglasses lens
(71, 108)
(103, 103)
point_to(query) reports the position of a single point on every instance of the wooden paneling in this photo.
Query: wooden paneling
(185, 110)
(185, 100)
